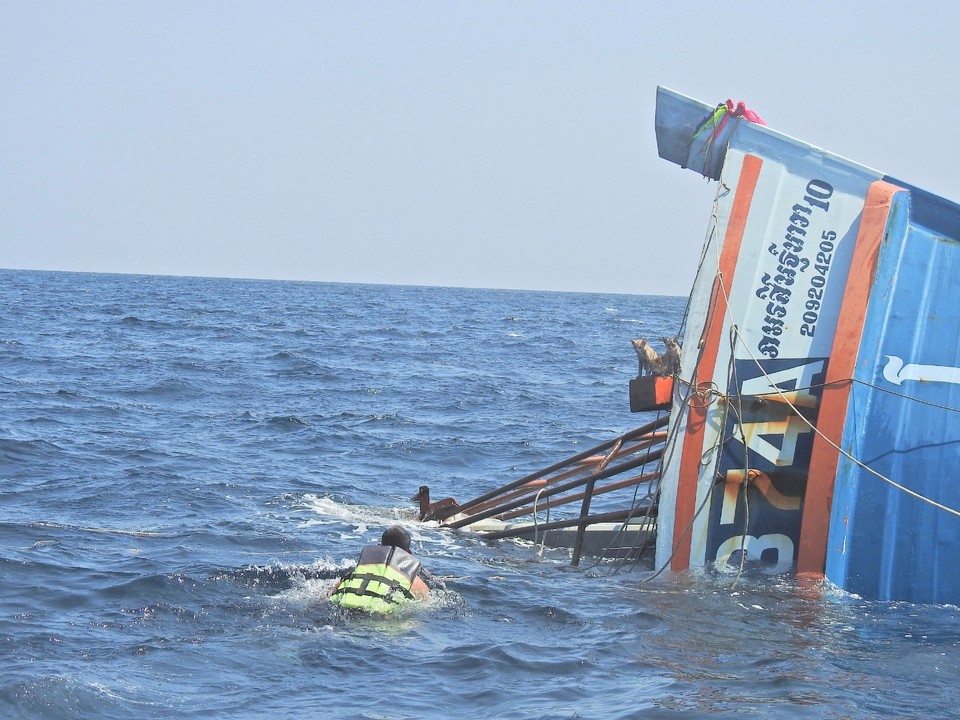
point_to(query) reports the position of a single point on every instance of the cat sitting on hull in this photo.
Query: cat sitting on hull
(653, 363)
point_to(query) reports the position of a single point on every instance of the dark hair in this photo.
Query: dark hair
(396, 535)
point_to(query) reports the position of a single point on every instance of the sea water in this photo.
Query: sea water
(186, 463)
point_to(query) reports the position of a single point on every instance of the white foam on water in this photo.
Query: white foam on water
(369, 521)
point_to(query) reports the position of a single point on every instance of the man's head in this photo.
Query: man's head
(397, 536)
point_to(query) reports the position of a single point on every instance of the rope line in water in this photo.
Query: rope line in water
(104, 531)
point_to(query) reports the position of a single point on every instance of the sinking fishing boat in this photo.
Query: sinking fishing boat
(813, 424)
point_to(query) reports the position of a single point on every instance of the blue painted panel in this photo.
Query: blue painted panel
(884, 543)
(677, 119)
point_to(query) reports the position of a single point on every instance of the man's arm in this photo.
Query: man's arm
(432, 581)
(420, 589)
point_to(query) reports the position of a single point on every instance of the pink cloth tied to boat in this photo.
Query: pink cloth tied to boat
(741, 110)
(708, 145)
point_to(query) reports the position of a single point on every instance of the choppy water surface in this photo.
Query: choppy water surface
(185, 463)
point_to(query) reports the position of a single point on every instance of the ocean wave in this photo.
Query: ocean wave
(287, 422)
(190, 462)
(26, 450)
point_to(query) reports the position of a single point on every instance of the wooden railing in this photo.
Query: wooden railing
(581, 477)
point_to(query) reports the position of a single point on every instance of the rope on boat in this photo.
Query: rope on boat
(707, 395)
(704, 395)
(536, 522)
(735, 331)
(686, 530)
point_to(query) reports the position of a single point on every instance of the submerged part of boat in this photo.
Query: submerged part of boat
(815, 422)
(620, 473)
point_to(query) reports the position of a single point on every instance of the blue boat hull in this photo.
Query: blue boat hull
(814, 424)
(901, 541)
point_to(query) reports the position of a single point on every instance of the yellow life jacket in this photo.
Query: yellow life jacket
(380, 582)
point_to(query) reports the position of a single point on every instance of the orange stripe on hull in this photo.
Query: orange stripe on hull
(815, 524)
(713, 334)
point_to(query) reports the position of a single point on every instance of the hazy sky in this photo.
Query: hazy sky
(482, 144)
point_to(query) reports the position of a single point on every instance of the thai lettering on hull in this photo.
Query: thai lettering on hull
(790, 263)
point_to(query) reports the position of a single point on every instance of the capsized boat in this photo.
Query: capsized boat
(814, 424)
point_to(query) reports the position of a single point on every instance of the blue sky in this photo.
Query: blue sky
(478, 144)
